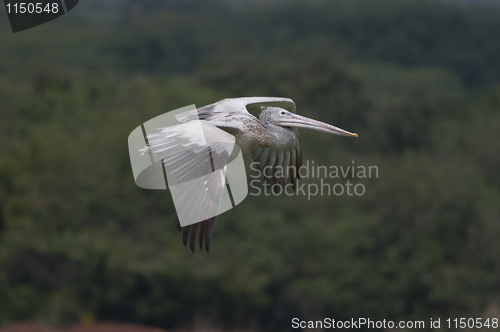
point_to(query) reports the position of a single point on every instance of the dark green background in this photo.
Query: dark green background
(419, 81)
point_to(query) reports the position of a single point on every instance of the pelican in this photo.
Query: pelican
(272, 139)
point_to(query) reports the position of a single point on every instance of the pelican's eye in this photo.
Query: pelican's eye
(282, 113)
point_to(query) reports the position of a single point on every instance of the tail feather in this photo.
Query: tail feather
(189, 233)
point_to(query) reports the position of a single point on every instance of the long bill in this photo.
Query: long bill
(295, 120)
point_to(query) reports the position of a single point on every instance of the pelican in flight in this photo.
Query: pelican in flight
(273, 140)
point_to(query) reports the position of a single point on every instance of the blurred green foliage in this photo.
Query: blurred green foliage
(419, 81)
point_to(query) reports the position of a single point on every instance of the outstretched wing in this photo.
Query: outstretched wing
(229, 112)
(280, 166)
(194, 157)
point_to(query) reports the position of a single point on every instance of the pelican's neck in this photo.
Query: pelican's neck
(278, 137)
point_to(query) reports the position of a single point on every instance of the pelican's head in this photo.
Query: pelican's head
(283, 118)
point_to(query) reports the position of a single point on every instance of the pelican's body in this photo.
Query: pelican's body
(272, 139)
(250, 133)
(253, 134)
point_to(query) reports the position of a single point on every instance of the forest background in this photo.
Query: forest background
(419, 81)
